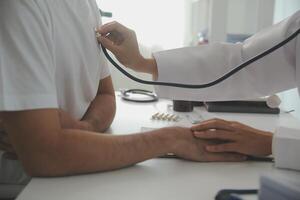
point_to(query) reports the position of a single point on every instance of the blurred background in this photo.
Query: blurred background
(167, 24)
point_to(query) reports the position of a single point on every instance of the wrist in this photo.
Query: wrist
(175, 139)
(152, 68)
(147, 65)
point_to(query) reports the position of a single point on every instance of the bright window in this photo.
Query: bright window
(159, 24)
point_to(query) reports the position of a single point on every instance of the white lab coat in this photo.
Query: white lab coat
(275, 73)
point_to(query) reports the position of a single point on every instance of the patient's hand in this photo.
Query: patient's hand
(190, 148)
(241, 138)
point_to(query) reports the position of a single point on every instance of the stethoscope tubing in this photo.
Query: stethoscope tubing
(209, 84)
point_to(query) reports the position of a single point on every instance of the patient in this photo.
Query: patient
(57, 96)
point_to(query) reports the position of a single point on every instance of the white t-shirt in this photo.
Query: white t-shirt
(49, 55)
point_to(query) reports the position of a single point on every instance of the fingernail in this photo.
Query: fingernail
(97, 30)
(98, 35)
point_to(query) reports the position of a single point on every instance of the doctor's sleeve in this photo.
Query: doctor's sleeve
(202, 64)
(286, 148)
(286, 141)
(27, 69)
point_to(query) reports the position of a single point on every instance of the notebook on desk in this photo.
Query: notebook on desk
(241, 107)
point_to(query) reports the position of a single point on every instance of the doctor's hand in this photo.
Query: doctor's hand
(122, 42)
(190, 148)
(239, 137)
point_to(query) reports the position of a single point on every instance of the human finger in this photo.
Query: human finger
(216, 134)
(213, 124)
(116, 38)
(225, 157)
(108, 44)
(112, 26)
(214, 119)
(242, 127)
(219, 148)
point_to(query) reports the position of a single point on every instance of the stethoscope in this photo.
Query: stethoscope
(209, 84)
(138, 96)
(153, 97)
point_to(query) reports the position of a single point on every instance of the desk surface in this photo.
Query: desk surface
(159, 178)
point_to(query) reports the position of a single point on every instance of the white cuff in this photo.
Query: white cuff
(286, 148)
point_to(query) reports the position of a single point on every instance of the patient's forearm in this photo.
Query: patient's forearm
(83, 152)
(100, 113)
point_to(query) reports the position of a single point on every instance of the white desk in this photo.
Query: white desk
(158, 178)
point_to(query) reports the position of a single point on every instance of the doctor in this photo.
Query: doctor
(193, 65)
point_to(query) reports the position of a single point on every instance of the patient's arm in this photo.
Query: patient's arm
(47, 149)
(100, 113)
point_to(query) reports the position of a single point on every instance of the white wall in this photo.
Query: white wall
(285, 8)
(240, 20)
(159, 24)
